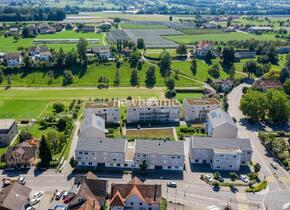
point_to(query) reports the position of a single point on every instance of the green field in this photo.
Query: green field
(225, 37)
(9, 45)
(198, 31)
(136, 26)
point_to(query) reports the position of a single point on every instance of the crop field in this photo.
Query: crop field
(191, 39)
(198, 31)
(153, 38)
(115, 35)
(143, 26)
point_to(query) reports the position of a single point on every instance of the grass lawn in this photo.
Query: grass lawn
(150, 133)
(181, 96)
(198, 31)
(155, 53)
(191, 39)
(137, 26)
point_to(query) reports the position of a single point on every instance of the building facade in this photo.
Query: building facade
(220, 153)
(8, 130)
(155, 112)
(197, 109)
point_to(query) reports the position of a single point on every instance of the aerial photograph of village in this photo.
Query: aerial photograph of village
(144, 104)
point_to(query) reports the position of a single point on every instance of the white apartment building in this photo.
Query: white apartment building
(108, 110)
(8, 130)
(157, 111)
(197, 109)
(159, 154)
(220, 153)
(221, 125)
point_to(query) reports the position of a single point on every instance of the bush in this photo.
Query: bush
(252, 176)
(58, 107)
(25, 135)
(258, 187)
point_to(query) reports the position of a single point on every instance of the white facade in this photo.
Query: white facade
(8, 130)
(197, 109)
(153, 112)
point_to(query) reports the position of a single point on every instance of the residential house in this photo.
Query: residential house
(153, 112)
(202, 48)
(58, 27)
(40, 53)
(159, 154)
(259, 29)
(12, 59)
(220, 153)
(108, 110)
(93, 126)
(21, 155)
(88, 28)
(91, 194)
(230, 29)
(104, 52)
(135, 195)
(221, 125)
(8, 131)
(197, 109)
(265, 85)
(127, 52)
(14, 197)
(46, 29)
(224, 86)
(244, 54)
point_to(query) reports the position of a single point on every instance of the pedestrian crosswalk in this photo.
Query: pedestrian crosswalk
(242, 201)
(284, 179)
(270, 179)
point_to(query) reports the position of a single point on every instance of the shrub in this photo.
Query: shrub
(25, 135)
(258, 187)
(58, 107)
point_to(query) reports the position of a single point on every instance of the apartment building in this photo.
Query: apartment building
(220, 153)
(197, 109)
(93, 126)
(159, 154)
(221, 125)
(153, 112)
(108, 110)
(8, 130)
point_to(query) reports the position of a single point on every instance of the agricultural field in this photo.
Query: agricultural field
(199, 31)
(115, 35)
(143, 26)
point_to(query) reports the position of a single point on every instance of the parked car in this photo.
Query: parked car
(34, 201)
(65, 194)
(171, 184)
(274, 165)
(30, 208)
(22, 180)
(36, 195)
(208, 178)
(244, 178)
(58, 195)
(69, 198)
(60, 207)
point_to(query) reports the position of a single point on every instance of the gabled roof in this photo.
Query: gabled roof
(117, 200)
(135, 192)
(24, 148)
(219, 117)
(9, 56)
(135, 181)
(93, 121)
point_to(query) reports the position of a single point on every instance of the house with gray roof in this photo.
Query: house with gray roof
(220, 153)
(93, 126)
(159, 154)
(8, 130)
(221, 125)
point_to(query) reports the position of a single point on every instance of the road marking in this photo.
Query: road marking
(242, 201)
(270, 179)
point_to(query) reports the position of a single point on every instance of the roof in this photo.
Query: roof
(219, 117)
(6, 123)
(261, 28)
(102, 104)
(94, 121)
(101, 144)
(162, 147)
(14, 196)
(268, 84)
(117, 200)
(220, 144)
(152, 103)
(202, 101)
(24, 148)
(9, 56)
(39, 48)
(203, 44)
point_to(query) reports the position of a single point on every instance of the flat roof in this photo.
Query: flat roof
(102, 104)
(153, 103)
(202, 101)
(6, 123)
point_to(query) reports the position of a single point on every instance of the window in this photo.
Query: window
(221, 155)
(249, 153)
(196, 160)
(80, 153)
(114, 159)
(243, 162)
(86, 153)
(118, 164)
(132, 203)
(126, 165)
(230, 166)
(140, 204)
(218, 167)
(90, 163)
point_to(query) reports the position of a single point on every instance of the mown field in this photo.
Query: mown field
(225, 37)
(9, 45)
(137, 26)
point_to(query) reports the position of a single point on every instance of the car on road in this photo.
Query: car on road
(22, 180)
(171, 184)
(244, 178)
(36, 195)
(274, 165)
(34, 201)
(208, 178)
(58, 195)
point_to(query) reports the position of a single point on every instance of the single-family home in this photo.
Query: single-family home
(12, 59)
(104, 52)
(93, 126)
(221, 125)
(58, 27)
(220, 153)
(91, 194)
(202, 48)
(21, 155)
(88, 28)
(159, 154)
(108, 110)
(40, 53)
(135, 195)
(8, 131)
(265, 85)
(197, 109)
(14, 197)
(260, 29)
(224, 86)
(244, 54)
(153, 111)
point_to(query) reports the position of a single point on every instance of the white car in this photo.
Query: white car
(171, 184)
(58, 195)
(65, 194)
(34, 201)
(21, 180)
(208, 178)
(36, 195)
(30, 208)
(244, 178)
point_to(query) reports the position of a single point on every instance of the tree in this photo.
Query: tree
(217, 176)
(165, 63)
(257, 167)
(118, 64)
(140, 65)
(193, 66)
(208, 56)
(117, 20)
(9, 80)
(214, 71)
(170, 83)
(61, 124)
(170, 18)
(250, 67)
(181, 49)
(117, 77)
(144, 165)
(150, 77)
(134, 59)
(232, 73)
(60, 61)
(134, 77)
(24, 136)
(73, 163)
(71, 58)
(1, 76)
(254, 104)
(67, 78)
(58, 107)
(286, 86)
(140, 44)
(287, 65)
(279, 107)
(228, 56)
(233, 176)
(82, 50)
(45, 154)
